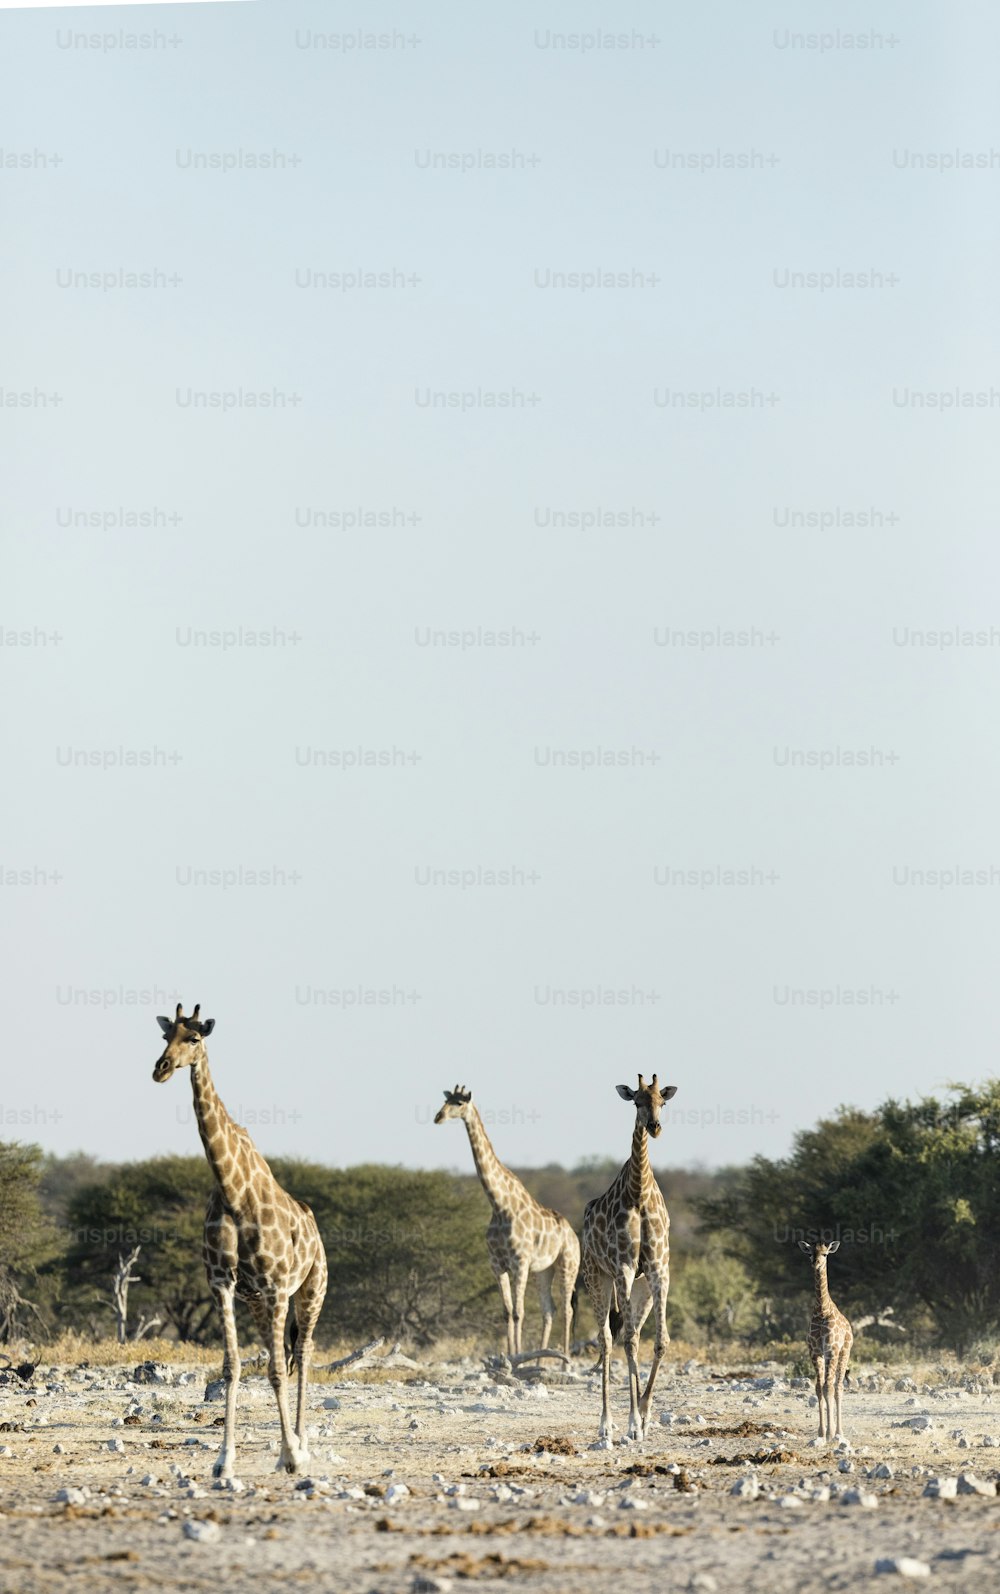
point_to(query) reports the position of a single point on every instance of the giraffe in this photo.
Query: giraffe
(830, 1339)
(521, 1237)
(626, 1234)
(260, 1244)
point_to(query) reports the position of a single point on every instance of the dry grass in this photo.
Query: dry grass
(70, 1349)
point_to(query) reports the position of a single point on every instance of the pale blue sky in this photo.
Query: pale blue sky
(838, 180)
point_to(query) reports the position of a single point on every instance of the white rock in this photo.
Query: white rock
(941, 1488)
(117, 1445)
(903, 1565)
(918, 1424)
(883, 1470)
(747, 1488)
(789, 1502)
(703, 1583)
(396, 1491)
(430, 1583)
(968, 1483)
(855, 1497)
(70, 1496)
(202, 1532)
(58, 1450)
(464, 1502)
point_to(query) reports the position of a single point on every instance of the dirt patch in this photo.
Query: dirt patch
(757, 1458)
(461, 1564)
(742, 1430)
(555, 1445)
(510, 1469)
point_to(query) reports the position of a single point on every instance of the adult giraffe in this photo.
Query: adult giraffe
(626, 1242)
(521, 1237)
(260, 1243)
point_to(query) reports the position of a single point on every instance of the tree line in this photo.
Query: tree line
(911, 1190)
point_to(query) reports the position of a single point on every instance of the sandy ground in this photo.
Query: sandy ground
(449, 1477)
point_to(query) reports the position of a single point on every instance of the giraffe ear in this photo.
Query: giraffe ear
(834, 1245)
(806, 1247)
(166, 1024)
(671, 1090)
(625, 1092)
(208, 1026)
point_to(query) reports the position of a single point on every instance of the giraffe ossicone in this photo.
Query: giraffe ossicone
(260, 1244)
(626, 1259)
(522, 1237)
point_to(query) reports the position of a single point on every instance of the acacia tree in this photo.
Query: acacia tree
(406, 1249)
(158, 1205)
(912, 1191)
(27, 1238)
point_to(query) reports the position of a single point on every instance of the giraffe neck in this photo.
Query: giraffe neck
(218, 1134)
(496, 1180)
(640, 1174)
(824, 1302)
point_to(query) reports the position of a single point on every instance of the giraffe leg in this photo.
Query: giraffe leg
(308, 1305)
(225, 1299)
(828, 1380)
(842, 1362)
(548, 1310)
(503, 1283)
(519, 1285)
(633, 1303)
(600, 1290)
(288, 1460)
(567, 1267)
(660, 1343)
(818, 1364)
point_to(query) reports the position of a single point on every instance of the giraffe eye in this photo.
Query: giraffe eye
(190, 1040)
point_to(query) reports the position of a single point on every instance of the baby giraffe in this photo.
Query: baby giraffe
(830, 1341)
(260, 1244)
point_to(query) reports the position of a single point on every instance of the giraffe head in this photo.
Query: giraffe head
(185, 1042)
(819, 1252)
(456, 1104)
(648, 1101)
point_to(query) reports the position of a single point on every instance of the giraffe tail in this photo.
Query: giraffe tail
(291, 1340)
(616, 1320)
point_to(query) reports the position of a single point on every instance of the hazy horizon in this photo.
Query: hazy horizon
(501, 564)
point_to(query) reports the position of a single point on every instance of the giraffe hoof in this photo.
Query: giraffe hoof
(290, 1461)
(604, 1443)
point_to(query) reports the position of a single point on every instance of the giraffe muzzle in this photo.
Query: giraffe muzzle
(163, 1070)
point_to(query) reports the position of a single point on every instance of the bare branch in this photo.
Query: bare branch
(355, 1357)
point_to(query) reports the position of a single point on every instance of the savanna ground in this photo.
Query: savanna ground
(441, 1476)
